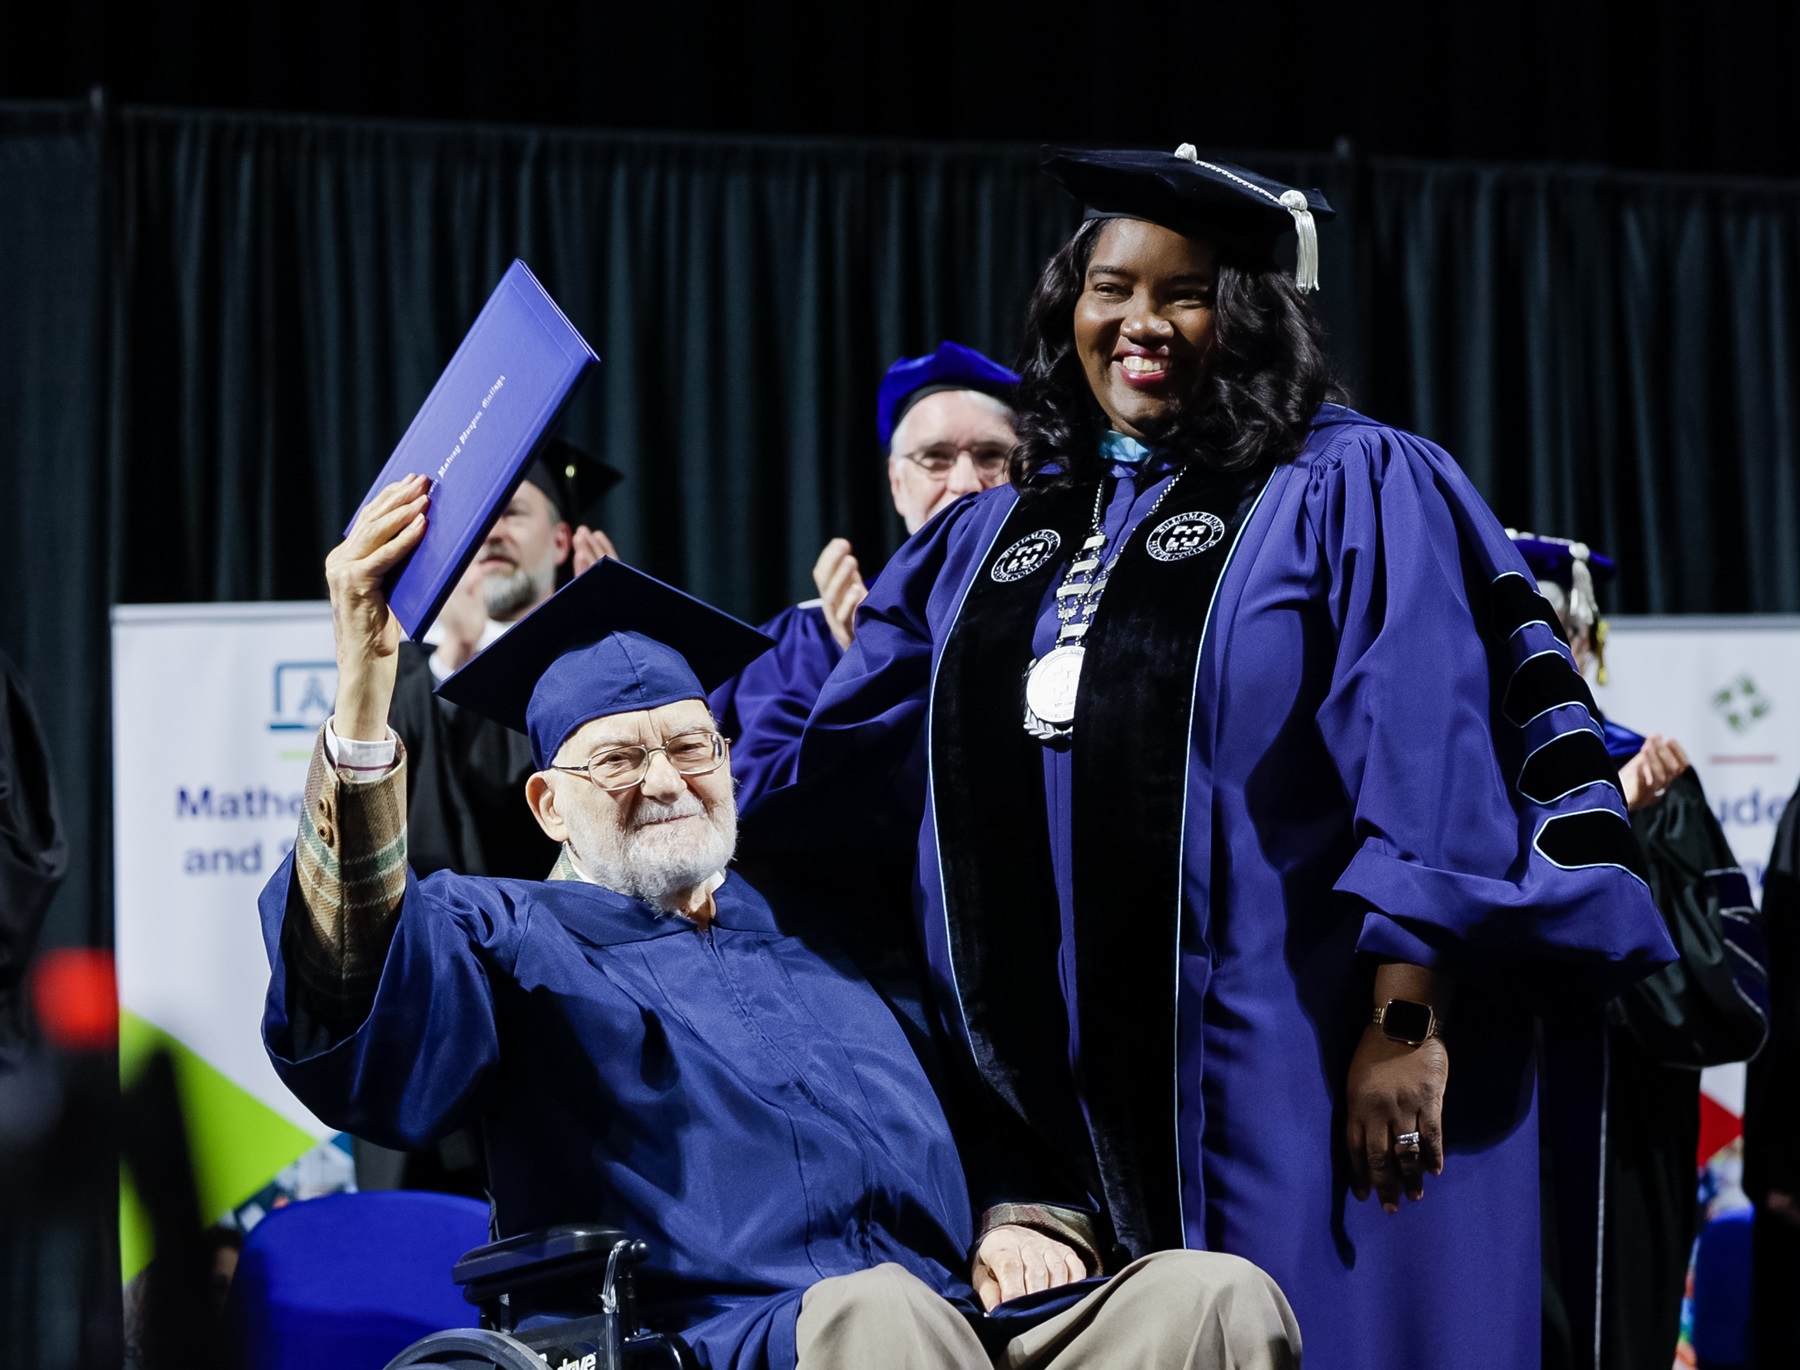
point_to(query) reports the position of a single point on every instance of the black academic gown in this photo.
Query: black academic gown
(33, 852)
(1772, 1118)
(465, 784)
(1706, 1009)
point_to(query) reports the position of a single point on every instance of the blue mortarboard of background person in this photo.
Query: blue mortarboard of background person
(950, 367)
(1217, 201)
(611, 641)
(1566, 572)
(1555, 558)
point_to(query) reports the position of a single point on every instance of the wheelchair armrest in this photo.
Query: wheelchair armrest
(552, 1255)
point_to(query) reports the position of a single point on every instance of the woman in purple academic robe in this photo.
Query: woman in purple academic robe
(1233, 722)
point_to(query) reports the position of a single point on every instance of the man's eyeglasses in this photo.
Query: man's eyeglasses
(990, 458)
(620, 767)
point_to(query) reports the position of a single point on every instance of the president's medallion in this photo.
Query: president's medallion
(1051, 684)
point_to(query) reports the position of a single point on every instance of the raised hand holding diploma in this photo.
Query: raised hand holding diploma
(366, 632)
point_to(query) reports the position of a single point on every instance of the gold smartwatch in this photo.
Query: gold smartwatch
(1408, 1021)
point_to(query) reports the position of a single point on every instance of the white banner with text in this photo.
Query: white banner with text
(215, 708)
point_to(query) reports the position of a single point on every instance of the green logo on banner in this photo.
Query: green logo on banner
(1741, 704)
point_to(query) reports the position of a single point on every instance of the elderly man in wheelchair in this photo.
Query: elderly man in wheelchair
(730, 1109)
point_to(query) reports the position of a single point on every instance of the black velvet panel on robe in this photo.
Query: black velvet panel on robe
(1004, 926)
(987, 778)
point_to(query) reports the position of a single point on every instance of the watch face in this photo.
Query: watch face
(1406, 1021)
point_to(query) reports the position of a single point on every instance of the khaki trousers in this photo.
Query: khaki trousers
(1174, 1310)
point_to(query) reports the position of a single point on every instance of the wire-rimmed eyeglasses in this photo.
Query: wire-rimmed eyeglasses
(620, 766)
(989, 457)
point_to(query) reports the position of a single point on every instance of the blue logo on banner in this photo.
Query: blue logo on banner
(304, 694)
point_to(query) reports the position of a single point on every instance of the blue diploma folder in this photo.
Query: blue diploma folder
(475, 434)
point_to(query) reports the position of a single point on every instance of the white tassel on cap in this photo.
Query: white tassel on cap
(1306, 264)
(1584, 604)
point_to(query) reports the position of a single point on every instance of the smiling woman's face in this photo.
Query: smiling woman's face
(1143, 323)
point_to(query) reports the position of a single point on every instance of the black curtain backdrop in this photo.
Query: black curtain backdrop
(59, 1292)
(1656, 85)
(213, 328)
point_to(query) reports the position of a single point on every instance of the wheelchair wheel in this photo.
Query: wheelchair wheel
(468, 1348)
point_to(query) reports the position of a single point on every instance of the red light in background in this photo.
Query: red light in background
(77, 998)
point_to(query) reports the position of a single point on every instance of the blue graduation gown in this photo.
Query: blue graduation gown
(747, 1105)
(763, 708)
(1351, 784)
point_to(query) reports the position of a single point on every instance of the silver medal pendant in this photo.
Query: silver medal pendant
(1051, 685)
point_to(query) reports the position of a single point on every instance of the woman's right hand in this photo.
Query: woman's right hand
(366, 632)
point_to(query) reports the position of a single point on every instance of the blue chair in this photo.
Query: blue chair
(350, 1280)
(1722, 1292)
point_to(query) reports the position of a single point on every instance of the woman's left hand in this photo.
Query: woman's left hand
(1395, 1089)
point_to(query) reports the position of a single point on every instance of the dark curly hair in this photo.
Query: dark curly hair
(1266, 377)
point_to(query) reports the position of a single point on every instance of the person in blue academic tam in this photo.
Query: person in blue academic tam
(944, 421)
(643, 1041)
(1212, 727)
(1709, 1008)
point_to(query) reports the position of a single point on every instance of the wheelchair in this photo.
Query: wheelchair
(576, 1265)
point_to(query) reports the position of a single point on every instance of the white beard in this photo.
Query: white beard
(651, 860)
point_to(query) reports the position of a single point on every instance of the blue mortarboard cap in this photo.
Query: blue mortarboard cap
(1554, 558)
(1203, 199)
(611, 641)
(950, 367)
